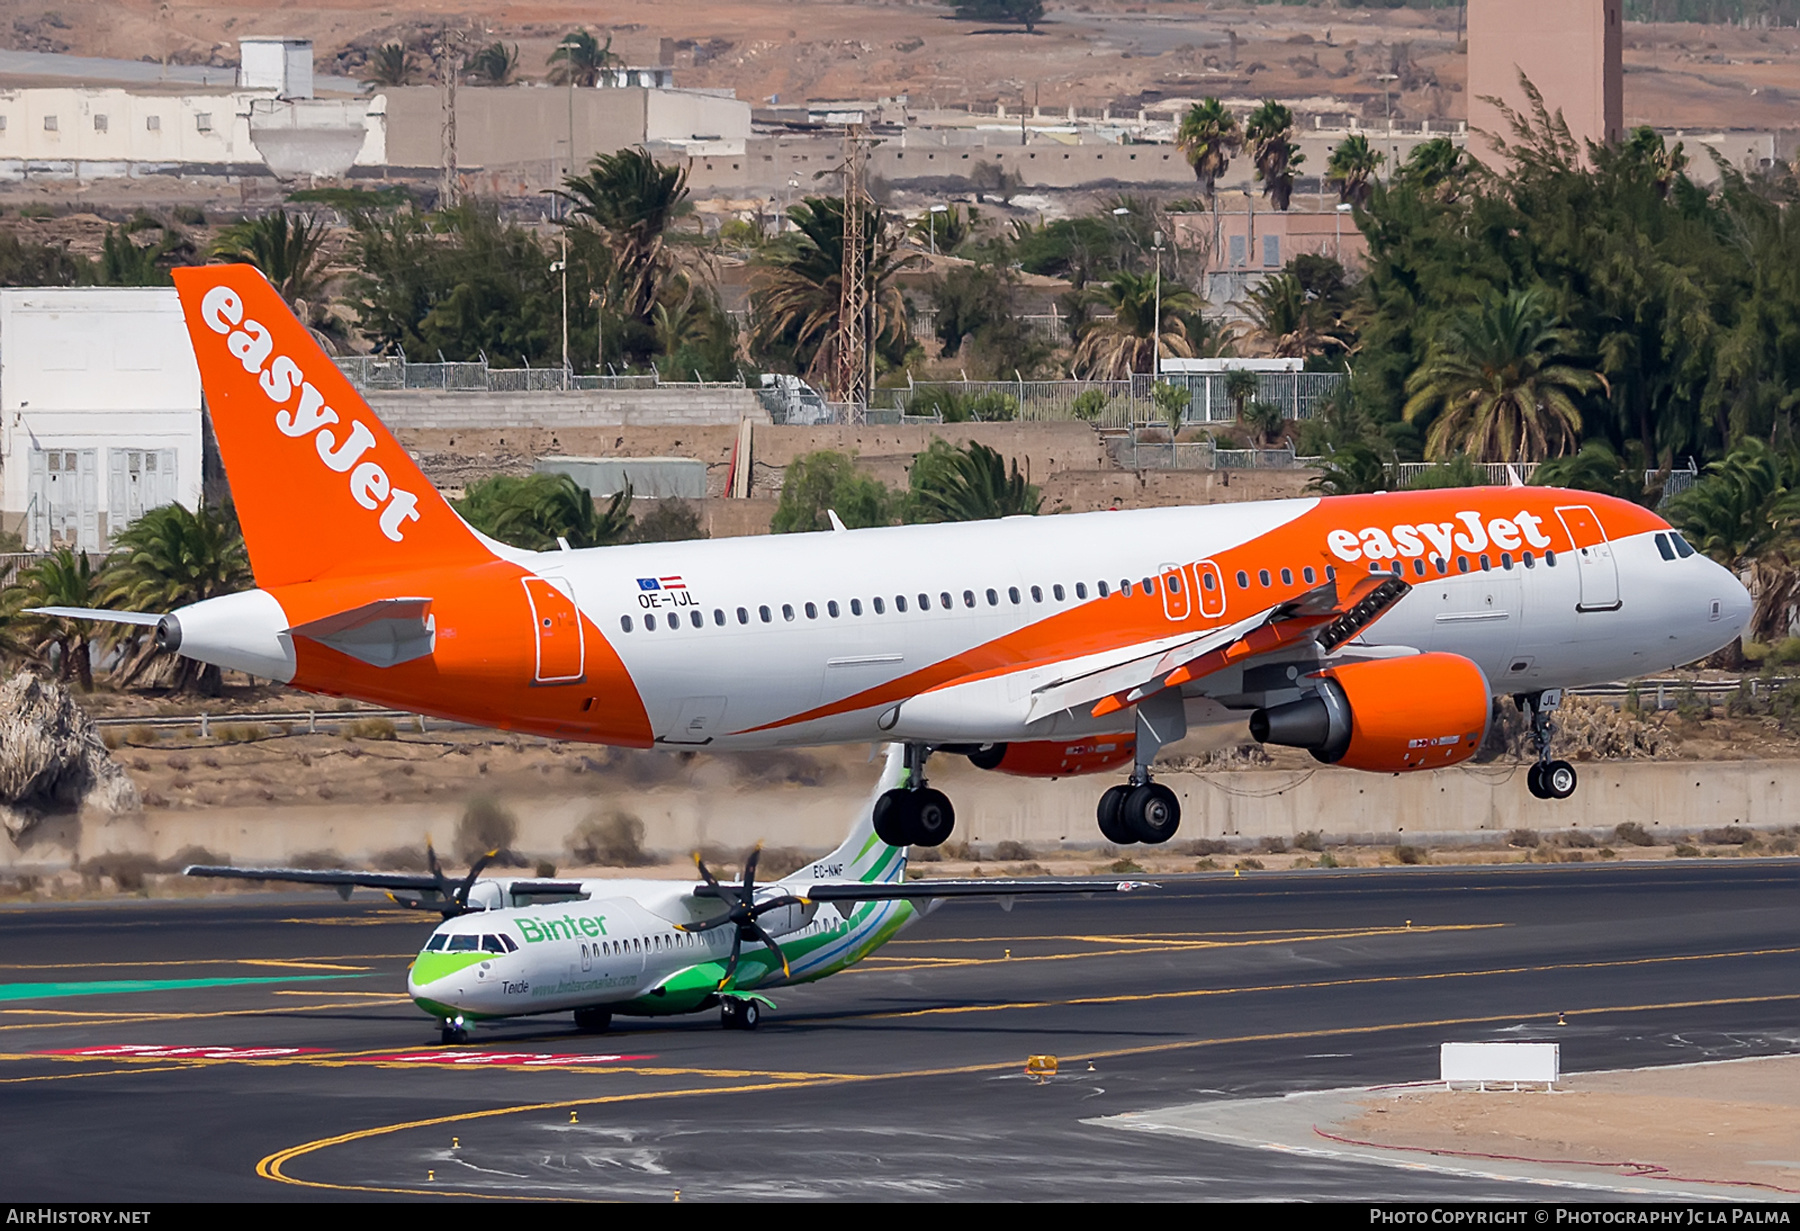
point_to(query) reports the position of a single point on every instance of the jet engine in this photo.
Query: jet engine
(1391, 715)
(1055, 758)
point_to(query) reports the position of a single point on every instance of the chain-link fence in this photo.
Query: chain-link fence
(383, 372)
(1298, 394)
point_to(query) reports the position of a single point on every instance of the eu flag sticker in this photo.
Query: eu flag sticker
(649, 583)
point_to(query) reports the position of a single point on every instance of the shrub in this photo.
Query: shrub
(1206, 865)
(1207, 846)
(371, 728)
(1409, 854)
(1687, 850)
(111, 739)
(614, 840)
(1731, 835)
(1607, 852)
(1273, 846)
(544, 869)
(485, 826)
(1526, 838)
(143, 735)
(1309, 841)
(1632, 834)
(1013, 852)
(1088, 405)
(1783, 845)
(1327, 860)
(1578, 838)
(250, 732)
(1123, 867)
(1250, 865)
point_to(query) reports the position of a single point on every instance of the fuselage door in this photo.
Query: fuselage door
(1594, 560)
(1176, 596)
(561, 651)
(1211, 589)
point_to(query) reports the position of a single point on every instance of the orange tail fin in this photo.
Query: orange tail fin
(322, 489)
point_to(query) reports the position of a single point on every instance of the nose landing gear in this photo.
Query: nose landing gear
(914, 814)
(1547, 778)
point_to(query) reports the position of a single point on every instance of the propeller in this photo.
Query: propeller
(742, 911)
(452, 899)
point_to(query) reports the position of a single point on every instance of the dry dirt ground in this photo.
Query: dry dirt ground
(1091, 53)
(1634, 1123)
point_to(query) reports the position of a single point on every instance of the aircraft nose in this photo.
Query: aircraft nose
(1735, 603)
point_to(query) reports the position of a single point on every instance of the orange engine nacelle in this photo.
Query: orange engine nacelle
(1391, 715)
(1055, 758)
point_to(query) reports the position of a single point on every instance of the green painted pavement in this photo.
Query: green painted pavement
(113, 987)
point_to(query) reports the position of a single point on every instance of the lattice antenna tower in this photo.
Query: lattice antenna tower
(853, 307)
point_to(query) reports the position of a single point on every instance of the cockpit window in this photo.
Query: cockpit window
(491, 944)
(1662, 545)
(464, 944)
(1682, 548)
(436, 944)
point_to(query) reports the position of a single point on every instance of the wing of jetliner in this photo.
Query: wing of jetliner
(1329, 614)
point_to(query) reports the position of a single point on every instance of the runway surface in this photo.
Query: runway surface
(260, 1047)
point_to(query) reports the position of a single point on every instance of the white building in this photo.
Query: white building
(100, 394)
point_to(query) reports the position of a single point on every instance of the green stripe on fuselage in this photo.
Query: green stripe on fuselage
(430, 967)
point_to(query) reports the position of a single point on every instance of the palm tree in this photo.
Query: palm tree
(944, 230)
(1745, 513)
(1269, 133)
(580, 59)
(1290, 323)
(1500, 384)
(1208, 136)
(1355, 470)
(535, 511)
(1352, 168)
(285, 249)
(630, 200)
(61, 579)
(1114, 349)
(795, 294)
(973, 483)
(1437, 167)
(495, 64)
(391, 65)
(169, 558)
(1241, 385)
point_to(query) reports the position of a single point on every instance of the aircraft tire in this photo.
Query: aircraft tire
(1111, 827)
(593, 1021)
(1559, 780)
(749, 1015)
(730, 1014)
(1534, 781)
(933, 818)
(453, 1036)
(893, 816)
(1152, 813)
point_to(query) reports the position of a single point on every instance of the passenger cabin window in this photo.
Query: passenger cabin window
(1462, 564)
(1037, 595)
(900, 602)
(1174, 583)
(812, 611)
(1150, 585)
(1100, 587)
(993, 599)
(1081, 589)
(944, 600)
(1056, 592)
(744, 616)
(1243, 580)
(696, 620)
(1529, 562)
(719, 616)
(1309, 575)
(650, 623)
(1506, 559)
(856, 606)
(1012, 593)
(1287, 577)
(831, 609)
(764, 613)
(1485, 564)
(924, 602)
(880, 606)
(1207, 582)
(1419, 568)
(968, 598)
(1550, 559)
(1125, 587)
(625, 621)
(787, 612)
(1262, 575)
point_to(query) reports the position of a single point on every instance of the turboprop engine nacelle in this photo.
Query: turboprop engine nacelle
(1392, 715)
(784, 919)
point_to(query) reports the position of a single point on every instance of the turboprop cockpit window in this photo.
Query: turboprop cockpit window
(436, 943)
(465, 944)
(491, 944)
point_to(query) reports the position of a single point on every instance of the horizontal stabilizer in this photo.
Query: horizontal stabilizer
(384, 633)
(147, 619)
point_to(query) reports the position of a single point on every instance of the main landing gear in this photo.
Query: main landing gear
(593, 1021)
(739, 1014)
(1547, 778)
(914, 814)
(1142, 810)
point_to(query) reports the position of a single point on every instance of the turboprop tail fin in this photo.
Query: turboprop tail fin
(322, 489)
(863, 856)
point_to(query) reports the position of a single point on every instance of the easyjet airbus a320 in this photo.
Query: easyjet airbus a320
(1371, 630)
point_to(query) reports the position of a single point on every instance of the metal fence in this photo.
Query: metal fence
(1503, 474)
(1297, 393)
(383, 372)
(1134, 453)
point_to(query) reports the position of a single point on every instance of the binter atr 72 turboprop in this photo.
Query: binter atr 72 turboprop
(511, 946)
(1373, 631)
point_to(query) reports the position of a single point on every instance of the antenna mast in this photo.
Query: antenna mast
(851, 383)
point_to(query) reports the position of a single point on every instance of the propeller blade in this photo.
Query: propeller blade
(444, 888)
(468, 883)
(719, 890)
(749, 890)
(769, 941)
(737, 942)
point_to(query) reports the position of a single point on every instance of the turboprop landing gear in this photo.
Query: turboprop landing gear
(453, 1032)
(735, 1014)
(1547, 778)
(592, 1021)
(914, 814)
(1142, 810)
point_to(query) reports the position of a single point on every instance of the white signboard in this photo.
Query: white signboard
(1500, 1062)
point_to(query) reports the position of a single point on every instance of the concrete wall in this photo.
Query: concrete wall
(418, 409)
(1480, 803)
(127, 136)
